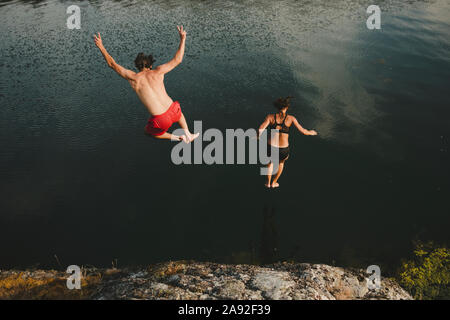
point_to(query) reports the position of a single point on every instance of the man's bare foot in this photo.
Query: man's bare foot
(267, 185)
(275, 185)
(192, 137)
(184, 139)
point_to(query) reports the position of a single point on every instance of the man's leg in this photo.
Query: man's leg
(169, 136)
(184, 126)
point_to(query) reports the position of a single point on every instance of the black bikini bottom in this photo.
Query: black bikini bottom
(283, 153)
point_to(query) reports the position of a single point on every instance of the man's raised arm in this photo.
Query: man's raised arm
(178, 58)
(121, 71)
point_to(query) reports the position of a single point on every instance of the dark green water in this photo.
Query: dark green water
(79, 179)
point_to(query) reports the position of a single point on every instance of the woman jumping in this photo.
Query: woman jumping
(282, 122)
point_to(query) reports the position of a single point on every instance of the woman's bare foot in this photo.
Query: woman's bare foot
(267, 185)
(275, 185)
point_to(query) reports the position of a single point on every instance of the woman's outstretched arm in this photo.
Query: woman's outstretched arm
(303, 130)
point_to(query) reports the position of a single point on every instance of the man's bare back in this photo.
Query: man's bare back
(148, 84)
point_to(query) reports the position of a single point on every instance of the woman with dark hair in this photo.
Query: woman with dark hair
(280, 140)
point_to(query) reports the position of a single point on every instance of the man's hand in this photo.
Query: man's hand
(98, 40)
(181, 32)
(178, 58)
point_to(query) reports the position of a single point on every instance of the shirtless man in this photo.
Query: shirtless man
(148, 84)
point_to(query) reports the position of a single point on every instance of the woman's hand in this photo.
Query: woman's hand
(312, 133)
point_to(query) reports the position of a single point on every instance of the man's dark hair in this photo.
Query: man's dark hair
(282, 103)
(142, 61)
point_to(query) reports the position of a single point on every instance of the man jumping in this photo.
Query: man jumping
(148, 84)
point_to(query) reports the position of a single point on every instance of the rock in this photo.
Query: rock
(202, 281)
(140, 274)
(231, 289)
(174, 279)
(273, 285)
(159, 286)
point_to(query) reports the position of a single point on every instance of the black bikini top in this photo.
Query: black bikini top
(284, 128)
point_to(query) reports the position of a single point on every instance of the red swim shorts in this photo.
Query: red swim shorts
(159, 124)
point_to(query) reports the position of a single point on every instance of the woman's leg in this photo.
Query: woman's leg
(269, 174)
(277, 176)
(184, 126)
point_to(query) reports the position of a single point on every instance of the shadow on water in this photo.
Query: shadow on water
(261, 251)
(269, 238)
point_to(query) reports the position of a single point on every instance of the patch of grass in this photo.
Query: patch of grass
(22, 287)
(164, 270)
